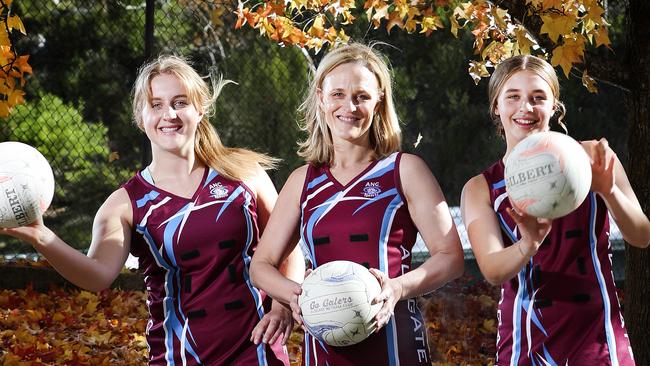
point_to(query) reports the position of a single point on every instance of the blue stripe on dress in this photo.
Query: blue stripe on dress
(609, 330)
(391, 210)
(152, 195)
(499, 184)
(229, 200)
(174, 275)
(316, 181)
(260, 349)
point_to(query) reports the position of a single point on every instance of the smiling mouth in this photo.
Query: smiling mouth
(170, 129)
(524, 122)
(348, 119)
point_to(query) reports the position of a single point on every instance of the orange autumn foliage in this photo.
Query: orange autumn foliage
(75, 327)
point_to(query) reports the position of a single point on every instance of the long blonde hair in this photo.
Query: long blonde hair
(509, 67)
(233, 163)
(385, 132)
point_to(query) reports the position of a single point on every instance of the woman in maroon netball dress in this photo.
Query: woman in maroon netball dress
(193, 218)
(558, 300)
(360, 199)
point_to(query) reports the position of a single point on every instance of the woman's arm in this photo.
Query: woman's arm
(611, 183)
(430, 213)
(293, 266)
(277, 323)
(109, 248)
(498, 263)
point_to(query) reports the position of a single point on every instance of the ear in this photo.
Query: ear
(496, 109)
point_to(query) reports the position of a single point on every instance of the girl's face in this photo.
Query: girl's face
(170, 120)
(349, 98)
(525, 105)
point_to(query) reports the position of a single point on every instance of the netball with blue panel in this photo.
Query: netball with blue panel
(201, 270)
(365, 221)
(336, 303)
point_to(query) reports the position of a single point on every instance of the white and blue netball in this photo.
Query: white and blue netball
(26, 184)
(336, 303)
(547, 175)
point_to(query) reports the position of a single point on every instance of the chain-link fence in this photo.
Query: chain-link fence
(85, 56)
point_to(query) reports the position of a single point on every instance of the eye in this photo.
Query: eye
(180, 104)
(363, 97)
(539, 98)
(513, 97)
(337, 94)
(156, 105)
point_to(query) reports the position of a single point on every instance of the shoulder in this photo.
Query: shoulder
(118, 204)
(412, 164)
(476, 183)
(259, 182)
(298, 176)
(475, 190)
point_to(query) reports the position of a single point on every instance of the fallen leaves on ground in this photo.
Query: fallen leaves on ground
(75, 327)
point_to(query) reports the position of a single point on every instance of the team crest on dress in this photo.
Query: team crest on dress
(371, 189)
(217, 190)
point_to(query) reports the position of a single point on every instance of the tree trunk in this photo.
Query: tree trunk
(637, 268)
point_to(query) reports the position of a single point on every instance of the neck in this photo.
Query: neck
(168, 165)
(349, 154)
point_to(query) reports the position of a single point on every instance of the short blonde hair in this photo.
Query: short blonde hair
(385, 132)
(233, 163)
(511, 66)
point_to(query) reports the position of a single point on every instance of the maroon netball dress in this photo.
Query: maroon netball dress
(562, 307)
(195, 254)
(365, 221)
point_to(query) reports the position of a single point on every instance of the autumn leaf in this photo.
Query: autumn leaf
(602, 37)
(568, 53)
(557, 25)
(478, 70)
(14, 22)
(524, 41)
(589, 82)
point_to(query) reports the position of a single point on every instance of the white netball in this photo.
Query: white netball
(336, 303)
(26, 184)
(547, 175)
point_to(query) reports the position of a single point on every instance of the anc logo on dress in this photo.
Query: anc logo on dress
(217, 190)
(371, 189)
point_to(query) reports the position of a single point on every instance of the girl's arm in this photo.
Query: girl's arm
(109, 248)
(498, 263)
(611, 183)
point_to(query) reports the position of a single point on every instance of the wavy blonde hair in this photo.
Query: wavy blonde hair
(385, 132)
(233, 163)
(511, 66)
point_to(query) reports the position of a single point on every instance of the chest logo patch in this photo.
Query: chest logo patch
(217, 190)
(371, 189)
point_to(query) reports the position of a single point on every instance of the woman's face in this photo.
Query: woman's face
(349, 97)
(525, 105)
(170, 120)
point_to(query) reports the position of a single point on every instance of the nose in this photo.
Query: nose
(526, 106)
(352, 103)
(169, 113)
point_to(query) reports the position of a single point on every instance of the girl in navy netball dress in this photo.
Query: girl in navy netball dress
(558, 300)
(193, 218)
(360, 199)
